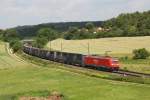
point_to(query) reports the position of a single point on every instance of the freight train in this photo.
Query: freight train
(96, 62)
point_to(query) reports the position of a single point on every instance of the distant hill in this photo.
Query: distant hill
(30, 30)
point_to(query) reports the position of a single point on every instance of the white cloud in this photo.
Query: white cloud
(21, 12)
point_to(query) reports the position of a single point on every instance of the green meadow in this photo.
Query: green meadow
(20, 78)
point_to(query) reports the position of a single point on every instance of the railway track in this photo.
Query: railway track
(131, 73)
(120, 71)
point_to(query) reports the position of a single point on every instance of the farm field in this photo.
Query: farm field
(23, 77)
(117, 47)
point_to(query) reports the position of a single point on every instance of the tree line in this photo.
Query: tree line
(130, 24)
(32, 30)
(43, 36)
(134, 24)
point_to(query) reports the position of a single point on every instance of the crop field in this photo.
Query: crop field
(22, 77)
(117, 47)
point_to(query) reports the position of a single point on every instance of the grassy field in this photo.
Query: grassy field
(25, 78)
(8, 61)
(117, 47)
(140, 65)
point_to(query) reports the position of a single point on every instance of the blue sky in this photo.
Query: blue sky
(29, 12)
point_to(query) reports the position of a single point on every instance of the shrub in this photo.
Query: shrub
(124, 58)
(140, 53)
(15, 45)
(41, 42)
(13, 41)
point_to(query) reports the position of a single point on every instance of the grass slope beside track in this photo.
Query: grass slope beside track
(25, 78)
(8, 60)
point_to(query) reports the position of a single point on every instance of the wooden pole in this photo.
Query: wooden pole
(88, 48)
(61, 47)
(49, 44)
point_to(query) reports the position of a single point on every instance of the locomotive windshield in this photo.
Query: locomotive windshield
(114, 61)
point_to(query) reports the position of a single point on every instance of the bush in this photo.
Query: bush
(41, 42)
(10, 34)
(15, 45)
(140, 53)
(13, 41)
(125, 58)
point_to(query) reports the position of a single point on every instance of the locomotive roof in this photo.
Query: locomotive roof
(104, 57)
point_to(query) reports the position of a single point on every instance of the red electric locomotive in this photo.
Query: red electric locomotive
(102, 62)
